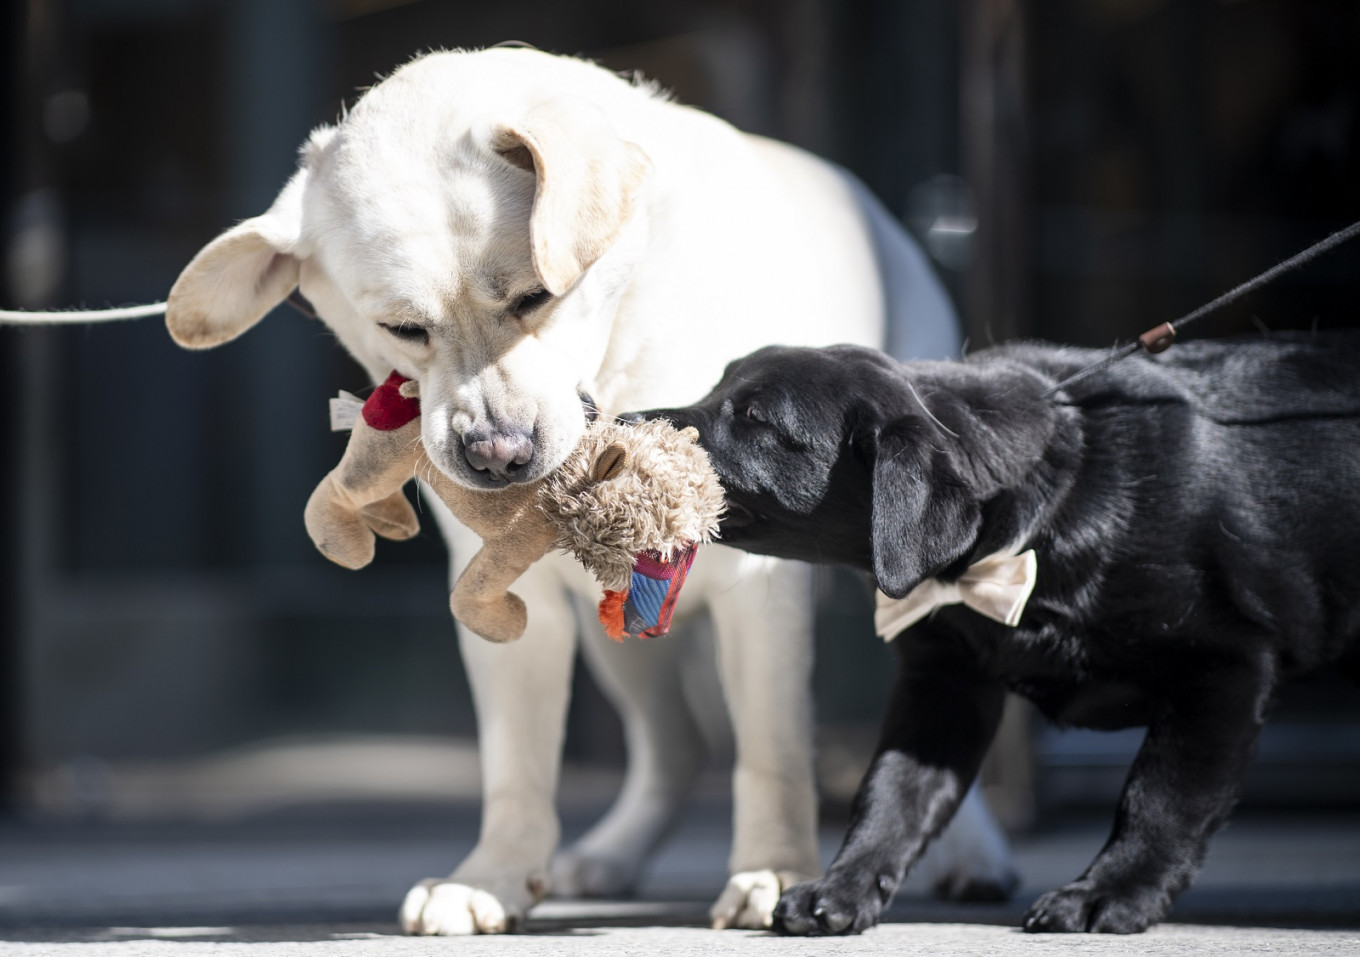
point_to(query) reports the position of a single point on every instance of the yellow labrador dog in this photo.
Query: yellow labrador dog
(517, 231)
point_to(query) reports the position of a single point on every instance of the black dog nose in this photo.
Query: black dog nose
(501, 453)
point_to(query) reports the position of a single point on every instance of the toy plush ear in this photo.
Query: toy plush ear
(924, 515)
(610, 463)
(587, 179)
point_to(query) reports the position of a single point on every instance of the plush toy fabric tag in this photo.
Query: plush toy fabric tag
(345, 409)
(998, 587)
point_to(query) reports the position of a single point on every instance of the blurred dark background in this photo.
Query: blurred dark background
(1080, 170)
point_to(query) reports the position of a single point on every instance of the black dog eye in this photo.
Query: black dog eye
(528, 303)
(416, 335)
(754, 413)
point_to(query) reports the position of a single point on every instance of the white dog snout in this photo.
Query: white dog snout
(502, 454)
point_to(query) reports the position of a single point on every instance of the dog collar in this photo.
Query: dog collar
(998, 587)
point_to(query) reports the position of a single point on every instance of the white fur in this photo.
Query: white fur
(675, 244)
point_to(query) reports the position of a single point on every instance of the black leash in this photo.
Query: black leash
(1159, 338)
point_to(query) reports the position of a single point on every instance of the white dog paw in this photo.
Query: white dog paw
(971, 887)
(748, 899)
(970, 861)
(436, 907)
(578, 874)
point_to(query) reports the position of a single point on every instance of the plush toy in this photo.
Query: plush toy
(632, 503)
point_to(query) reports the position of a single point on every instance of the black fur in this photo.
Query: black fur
(1196, 518)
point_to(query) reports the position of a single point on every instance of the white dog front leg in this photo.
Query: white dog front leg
(520, 691)
(764, 633)
(666, 752)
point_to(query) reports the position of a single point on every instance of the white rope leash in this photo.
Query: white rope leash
(57, 317)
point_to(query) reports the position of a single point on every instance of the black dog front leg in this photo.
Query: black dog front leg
(1181, 787)
(942, 715)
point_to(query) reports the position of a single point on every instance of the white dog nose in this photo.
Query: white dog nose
(503, 454)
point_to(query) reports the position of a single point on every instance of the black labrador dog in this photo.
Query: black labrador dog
(1195, 524)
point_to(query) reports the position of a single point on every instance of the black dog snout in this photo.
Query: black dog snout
(589, 406)
(502, 454)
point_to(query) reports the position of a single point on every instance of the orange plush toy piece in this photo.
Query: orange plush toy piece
(631, 502)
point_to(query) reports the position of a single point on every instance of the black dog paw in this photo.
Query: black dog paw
(1083, 907)
(831, 906)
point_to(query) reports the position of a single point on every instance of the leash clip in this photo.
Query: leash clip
(1159, 338)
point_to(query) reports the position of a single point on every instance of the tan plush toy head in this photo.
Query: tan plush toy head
(629, 489)
(631, 502)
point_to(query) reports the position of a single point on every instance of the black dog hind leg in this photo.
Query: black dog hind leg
(942, 715)
(1184, 781)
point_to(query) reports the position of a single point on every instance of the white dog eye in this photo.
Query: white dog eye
(415, 335)
(528, 303)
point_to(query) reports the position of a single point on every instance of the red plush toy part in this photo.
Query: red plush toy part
(387, 409)
(645, 609)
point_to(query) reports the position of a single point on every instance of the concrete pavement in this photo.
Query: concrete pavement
(327, 882)
(940, 940)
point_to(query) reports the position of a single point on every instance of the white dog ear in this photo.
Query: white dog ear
(588, 179)
(239, 276)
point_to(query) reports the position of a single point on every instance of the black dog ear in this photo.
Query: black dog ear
(925, 517)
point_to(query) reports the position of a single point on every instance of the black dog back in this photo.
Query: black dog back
(1213, 500)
